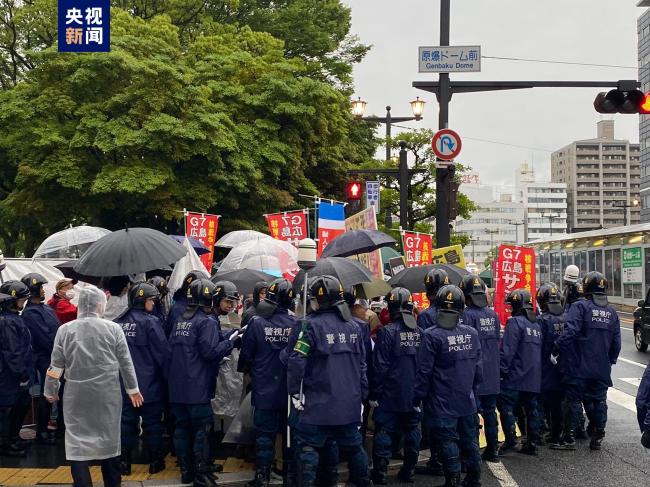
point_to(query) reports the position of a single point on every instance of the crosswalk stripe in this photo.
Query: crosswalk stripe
(622, 399)
(632, 362)
(501, 473)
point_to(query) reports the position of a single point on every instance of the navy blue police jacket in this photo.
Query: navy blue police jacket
(486, 322)
(643, 401)
(16, 358)
(552, 327)
(427, 319)
(521, 355)
(43, 324)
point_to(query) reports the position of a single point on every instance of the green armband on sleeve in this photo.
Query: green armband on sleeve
(302, 347)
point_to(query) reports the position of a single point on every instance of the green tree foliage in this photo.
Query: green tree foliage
(225, 122)
(422, 200)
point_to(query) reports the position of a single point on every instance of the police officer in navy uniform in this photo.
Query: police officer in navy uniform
(521, 372)
(327, 381)
(551, 321)
(16, 367)
(395, 363)
(250, 305)
(643, 408)
(266, 336)
(434, 280)
(179, 304)
(150, 353)
(43, 324)
(197, 348)
(485, 321)
(593, 326)
(448, 378)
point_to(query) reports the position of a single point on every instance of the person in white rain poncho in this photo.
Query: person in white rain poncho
(93, 353)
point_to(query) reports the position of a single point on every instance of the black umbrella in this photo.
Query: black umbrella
(244, 279)
(357, 242)
(130, 251)
(349, 272)
(412, 278)
(67, 268)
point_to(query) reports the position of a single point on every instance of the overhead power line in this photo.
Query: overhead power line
(571, 63)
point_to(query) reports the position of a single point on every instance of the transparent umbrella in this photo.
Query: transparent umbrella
(272, 256)
(69, 243)
(233, 239)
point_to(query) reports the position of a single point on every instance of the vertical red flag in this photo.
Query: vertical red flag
(515, 269)
(203, 227)
(289, 226)
(417, 251)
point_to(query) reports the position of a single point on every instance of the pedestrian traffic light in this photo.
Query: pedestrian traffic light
(620, 101)
(353, 190)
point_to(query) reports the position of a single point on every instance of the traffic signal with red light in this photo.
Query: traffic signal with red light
(353, 190)
(623, 101)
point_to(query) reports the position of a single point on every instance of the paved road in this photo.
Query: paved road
(621, 463)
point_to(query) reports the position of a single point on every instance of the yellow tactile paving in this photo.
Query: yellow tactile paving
(139, 473)
(6, 473)
(59, 475)
(27, 476)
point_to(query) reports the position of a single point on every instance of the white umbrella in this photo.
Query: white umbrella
(268, 255)
(232, 239)
(70, 243)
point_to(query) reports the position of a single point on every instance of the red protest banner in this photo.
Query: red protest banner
(417, 248)
(515, 269)
(417, 251)
(290, 226)
(203, 227)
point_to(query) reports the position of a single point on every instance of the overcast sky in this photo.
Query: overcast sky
(542, 120)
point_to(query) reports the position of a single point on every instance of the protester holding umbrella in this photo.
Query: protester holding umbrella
(267, 335)
(43, 325)
(61, 301)
(16, 364)
(150, 353)
(94, 354)
(197, 348)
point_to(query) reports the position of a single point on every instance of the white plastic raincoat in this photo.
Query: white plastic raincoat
(93, 353)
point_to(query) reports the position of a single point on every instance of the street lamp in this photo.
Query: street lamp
(551, 217)
(359, 108)
(625, 206)
(516, 225)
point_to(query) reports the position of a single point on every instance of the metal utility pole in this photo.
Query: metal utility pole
(625, 206)
(444, 88)
(473, 241)
(491, 233)
(443, 233)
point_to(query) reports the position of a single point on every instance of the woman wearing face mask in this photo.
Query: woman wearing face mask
(61, 301)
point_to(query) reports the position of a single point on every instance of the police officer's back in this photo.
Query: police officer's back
(265, 338)
(150, 353)
(197, 348)
(16, 367)
(485, 321)
(521, 371)
(328, 367)
(551, 321)
(434, 280)
(395, 364)
(43, 324)
(179, 304)
(450, 372)
(593, 326)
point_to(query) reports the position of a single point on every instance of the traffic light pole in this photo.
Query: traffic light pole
(444, 88)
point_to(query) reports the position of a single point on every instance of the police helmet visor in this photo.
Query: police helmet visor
(447, 319)
(409, 320)
(479, 300)
(555, 308)
(344, 310)
(266, 308)
(600, 300)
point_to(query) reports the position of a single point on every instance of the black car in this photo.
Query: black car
(642, 324)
